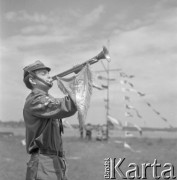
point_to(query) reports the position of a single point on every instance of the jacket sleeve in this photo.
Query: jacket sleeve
(44, 106)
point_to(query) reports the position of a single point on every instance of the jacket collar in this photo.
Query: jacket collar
(37, 91)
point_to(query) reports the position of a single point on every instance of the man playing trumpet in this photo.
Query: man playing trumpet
(42, 115)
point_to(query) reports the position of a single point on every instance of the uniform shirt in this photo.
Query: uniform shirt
(42, 115)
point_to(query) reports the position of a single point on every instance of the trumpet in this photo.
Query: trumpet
(104, 54)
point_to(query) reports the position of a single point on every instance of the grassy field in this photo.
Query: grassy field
(86, 158)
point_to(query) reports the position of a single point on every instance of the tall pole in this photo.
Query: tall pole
(107, 107)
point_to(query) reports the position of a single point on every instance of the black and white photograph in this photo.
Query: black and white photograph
(88, 89)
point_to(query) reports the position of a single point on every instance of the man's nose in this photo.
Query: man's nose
(49, 77)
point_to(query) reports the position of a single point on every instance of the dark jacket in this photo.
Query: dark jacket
(42, 115)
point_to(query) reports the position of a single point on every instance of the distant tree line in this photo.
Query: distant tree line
(12, 123)
(21, 123)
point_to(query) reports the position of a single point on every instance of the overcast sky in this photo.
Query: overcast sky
(142, 36)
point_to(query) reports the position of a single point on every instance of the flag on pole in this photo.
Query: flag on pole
(79, 88)
(123, 82)
(148, 104)
(97, 86)
(131, 84)
(128, 134)
(134, 125)
(138, 114)
(156, 112)
(129, 106)
(128, 114)
(104, 78)
(127, 146)
(141, 94)
(127, 98)
(124, 75)
(115, 121)
(104, 86)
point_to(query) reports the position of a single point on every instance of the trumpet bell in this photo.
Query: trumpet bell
(104, 54)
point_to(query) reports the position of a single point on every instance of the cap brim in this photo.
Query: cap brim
(39, 68)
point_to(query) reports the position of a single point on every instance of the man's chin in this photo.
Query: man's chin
(49, 84)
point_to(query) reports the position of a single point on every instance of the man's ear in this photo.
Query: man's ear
(31, 80)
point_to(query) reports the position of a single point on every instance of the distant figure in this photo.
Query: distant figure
(104, 132)
(81, 132)
(99, 133)
(88, 131)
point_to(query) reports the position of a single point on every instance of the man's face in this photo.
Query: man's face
(44, 75)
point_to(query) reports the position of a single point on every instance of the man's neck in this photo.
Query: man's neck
(40, 89)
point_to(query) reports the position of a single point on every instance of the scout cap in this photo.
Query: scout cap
(31, 68)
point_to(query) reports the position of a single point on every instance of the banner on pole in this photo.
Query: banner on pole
(79, 88)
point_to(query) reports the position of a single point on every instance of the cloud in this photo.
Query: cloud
(20, 41)
(92, 18)
(49, 28)
(159, 35)
(23, 16)
(34, 29)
